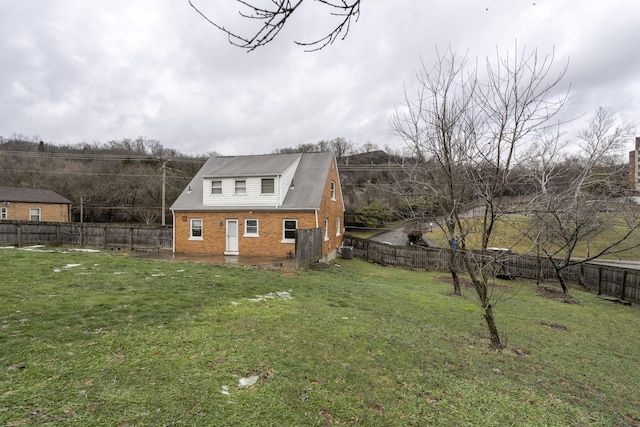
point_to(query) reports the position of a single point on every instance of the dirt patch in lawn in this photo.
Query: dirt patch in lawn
(556, 326)
(555, 293)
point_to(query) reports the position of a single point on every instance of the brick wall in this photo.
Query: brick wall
(48, 212)
(330, 210)
(268, 243)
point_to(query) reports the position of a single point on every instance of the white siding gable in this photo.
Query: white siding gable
(253, 195)
(286, 178)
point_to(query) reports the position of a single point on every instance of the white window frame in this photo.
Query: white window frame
(333, 191)
(338, 228)
(273, 186)
(35, 212)
(326, 229)
(247, 233)
(216, 187)
(193, 227)
(284, 230)
(4, 213)
(240, 190)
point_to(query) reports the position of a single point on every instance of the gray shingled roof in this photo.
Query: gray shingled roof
(308, 181)
(31, 195)
(268, 164)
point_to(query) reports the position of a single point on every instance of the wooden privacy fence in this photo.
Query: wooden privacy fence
(619, 282)
(129, 236)
(308, 247)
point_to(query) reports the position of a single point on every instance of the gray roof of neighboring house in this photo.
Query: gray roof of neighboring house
(307, 186)
(31, 195)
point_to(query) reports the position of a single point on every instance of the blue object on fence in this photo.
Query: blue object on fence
(454, 244)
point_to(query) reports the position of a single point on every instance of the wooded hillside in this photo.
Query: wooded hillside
(117, 181)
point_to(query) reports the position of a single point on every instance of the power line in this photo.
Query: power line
(91, 173)
(94, 156)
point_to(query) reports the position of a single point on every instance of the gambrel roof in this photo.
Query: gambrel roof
(31, 195)
(305, 192)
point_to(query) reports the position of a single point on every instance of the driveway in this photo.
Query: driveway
(394, 237)
(398, 237)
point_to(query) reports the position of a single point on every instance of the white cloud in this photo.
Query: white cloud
(86, 71)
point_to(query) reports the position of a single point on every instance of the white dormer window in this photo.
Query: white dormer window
(268, 186)
(241, 187)
(333, 190)
(216, 187)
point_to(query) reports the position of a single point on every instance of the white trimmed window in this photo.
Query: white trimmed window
(289, 227)
(196, 229)
(251, 227)
(338, 229)
(268, 185)
(4, 213)
(241, 187)
(326, 229)
(216, 187)
(333, 191)
(34, 214)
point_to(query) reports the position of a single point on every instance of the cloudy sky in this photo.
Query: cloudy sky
(92, 71)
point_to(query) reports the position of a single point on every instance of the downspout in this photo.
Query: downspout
(316, 218)
(278, 180)
(173, 232)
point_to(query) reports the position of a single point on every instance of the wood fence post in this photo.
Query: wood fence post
(599, 280)
(130, 238)
(19, 235)
(367, 245)
(624, 284)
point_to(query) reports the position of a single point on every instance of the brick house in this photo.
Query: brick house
(31, 204)
(253, 205)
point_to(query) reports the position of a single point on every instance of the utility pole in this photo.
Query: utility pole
(164, 190)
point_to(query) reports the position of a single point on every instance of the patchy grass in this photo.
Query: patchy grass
(100, 339)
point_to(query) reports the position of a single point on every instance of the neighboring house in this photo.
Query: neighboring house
(31, 204)
(253, 205)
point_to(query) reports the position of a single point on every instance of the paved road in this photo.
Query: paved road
(396, 237)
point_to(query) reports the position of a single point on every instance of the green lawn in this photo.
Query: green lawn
(102, 339)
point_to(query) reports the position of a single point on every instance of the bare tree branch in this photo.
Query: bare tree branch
(274, 19)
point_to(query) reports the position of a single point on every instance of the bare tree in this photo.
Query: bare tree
(437, 129)
(469, 129)
(274, 17)
(578, 197)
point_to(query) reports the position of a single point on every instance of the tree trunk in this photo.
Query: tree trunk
(491, 324)
(453, 268)
(563, 285)
(480, 284)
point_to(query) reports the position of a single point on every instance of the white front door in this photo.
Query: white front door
(232, 237)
